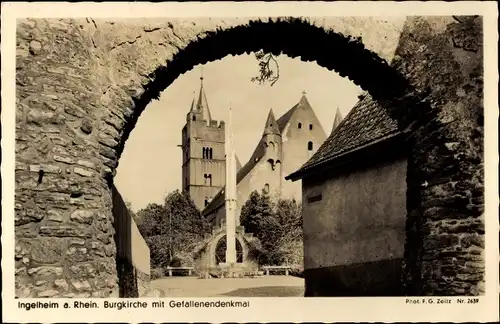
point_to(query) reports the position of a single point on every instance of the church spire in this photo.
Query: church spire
(337, 119)
(271, 124)
(303, 101)
(202, 103)
(193, 107)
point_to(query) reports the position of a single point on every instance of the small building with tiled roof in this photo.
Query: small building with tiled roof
(286, 144)
(354, 206)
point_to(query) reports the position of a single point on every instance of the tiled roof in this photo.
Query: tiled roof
(283, 120)
(365, 123)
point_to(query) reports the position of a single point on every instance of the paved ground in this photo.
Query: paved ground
(266, 286)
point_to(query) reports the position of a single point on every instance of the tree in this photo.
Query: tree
(187, 227)
(131, 212)
(172, 230)
(153, 220)
(153, 228)
(290, 244)
(278, 227)
(258, 217)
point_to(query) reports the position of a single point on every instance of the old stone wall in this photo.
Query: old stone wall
(442, 57)
(64, 231)
(81, 85)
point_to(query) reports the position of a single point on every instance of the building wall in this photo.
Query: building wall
(196, 136)
(260, 175)
(132, 252)
(354, 235)
(295, 149)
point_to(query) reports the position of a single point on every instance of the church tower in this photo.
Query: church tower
(273, 155)
(203, 152)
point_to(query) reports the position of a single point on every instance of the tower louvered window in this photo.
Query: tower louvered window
(207, 153)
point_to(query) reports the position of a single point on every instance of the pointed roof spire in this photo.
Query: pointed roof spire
(193, 107)
(271, 124)
(303, 101)
(337, 119)
(202, 104)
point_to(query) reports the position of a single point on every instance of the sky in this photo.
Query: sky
(150, 166)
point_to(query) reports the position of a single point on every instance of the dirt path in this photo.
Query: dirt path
(267, 286)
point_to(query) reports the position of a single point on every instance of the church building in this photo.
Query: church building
(285, 145)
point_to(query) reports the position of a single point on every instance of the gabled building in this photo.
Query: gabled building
(354, 207)
(286, 144)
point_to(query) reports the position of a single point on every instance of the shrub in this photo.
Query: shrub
(157, 273)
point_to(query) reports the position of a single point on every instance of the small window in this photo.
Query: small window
(314, 198)
(208, 179)
(310, 146)
(206, 202)
(299, 125)
(310, 126)
(194, 118)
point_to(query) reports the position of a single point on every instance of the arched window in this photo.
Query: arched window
(271, 164)
(220, 251)
(272, 144)
(194, 118)
(208, 179)
(310, 126)
(309, 146)
(266, 188)
(206, 202)
(299, 125)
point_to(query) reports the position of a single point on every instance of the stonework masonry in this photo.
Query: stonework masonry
(81, 85)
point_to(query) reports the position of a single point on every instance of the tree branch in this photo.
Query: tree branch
(266, 71)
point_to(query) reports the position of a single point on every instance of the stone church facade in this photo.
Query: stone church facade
(286, 144)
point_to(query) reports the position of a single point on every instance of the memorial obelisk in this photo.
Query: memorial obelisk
(230, 194)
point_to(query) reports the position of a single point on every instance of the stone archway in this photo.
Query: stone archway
(82, 84)
(220, 251)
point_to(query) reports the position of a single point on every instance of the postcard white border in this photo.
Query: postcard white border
(261, 309)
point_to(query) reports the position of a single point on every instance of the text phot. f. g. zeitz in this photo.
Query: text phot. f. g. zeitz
(263, 157)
